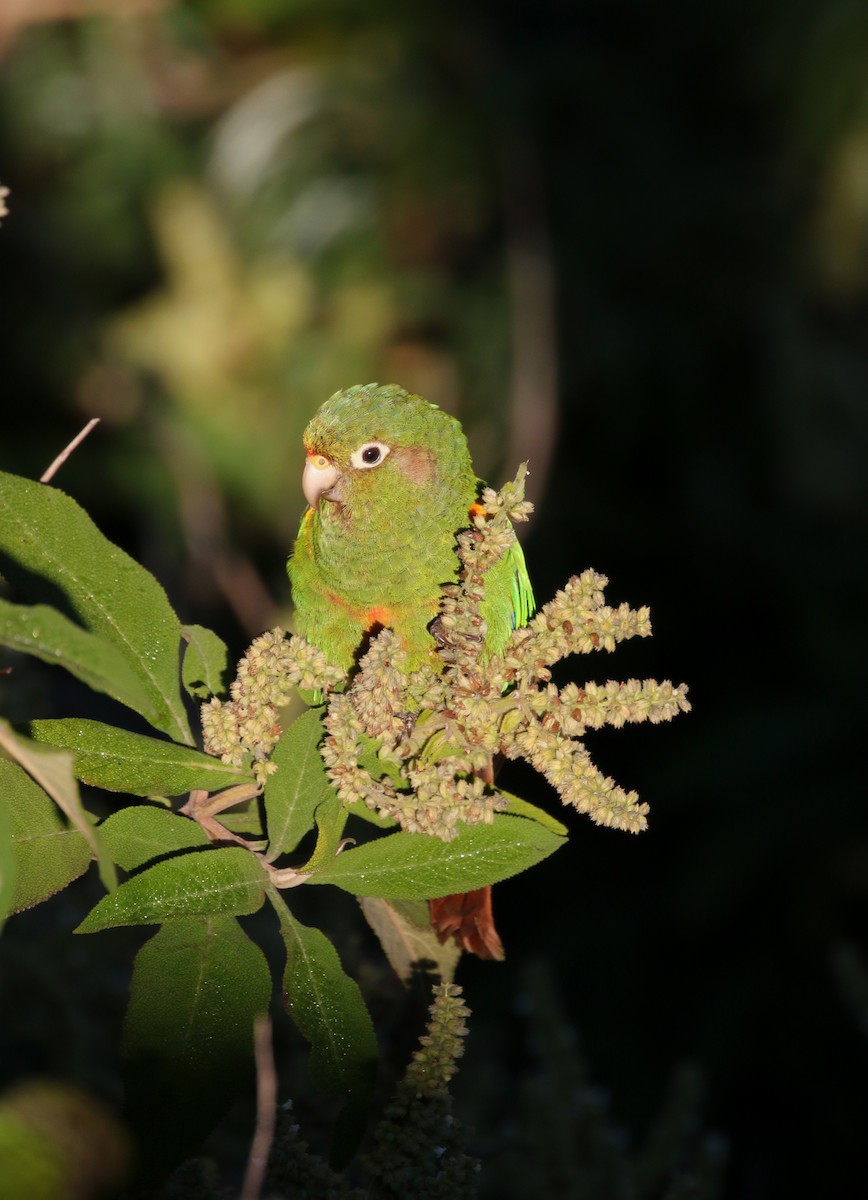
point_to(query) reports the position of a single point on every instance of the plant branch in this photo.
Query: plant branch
(266, 1110)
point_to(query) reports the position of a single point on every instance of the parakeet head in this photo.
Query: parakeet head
(371, 442)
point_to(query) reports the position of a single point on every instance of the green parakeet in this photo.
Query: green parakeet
(390, 484)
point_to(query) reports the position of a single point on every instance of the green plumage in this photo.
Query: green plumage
(378, 542)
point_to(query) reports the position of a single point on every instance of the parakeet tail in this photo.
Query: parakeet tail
(469, 921)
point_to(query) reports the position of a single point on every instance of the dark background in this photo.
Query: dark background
(627, 240)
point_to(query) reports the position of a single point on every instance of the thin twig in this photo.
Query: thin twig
(266, 1110)
(204, 524)
(531, 282)
(64, 454)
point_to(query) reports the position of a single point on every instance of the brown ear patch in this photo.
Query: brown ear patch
(414, 463)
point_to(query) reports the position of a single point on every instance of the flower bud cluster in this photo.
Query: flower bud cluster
(418, 747)
(418, 1145)
(439, 729)
(245, 728)
(436, 1060)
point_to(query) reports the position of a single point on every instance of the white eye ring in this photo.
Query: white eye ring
(371, 454)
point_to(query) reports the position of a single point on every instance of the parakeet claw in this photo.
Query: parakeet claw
(409, 721)
(438, 632)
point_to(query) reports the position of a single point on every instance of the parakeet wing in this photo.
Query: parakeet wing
(523, 603)
(508, 602)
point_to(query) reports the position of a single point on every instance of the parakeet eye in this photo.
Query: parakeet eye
(371, 454)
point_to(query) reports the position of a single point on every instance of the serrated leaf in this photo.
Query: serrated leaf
(330, 819)
(298, 787)
(197, 987)
(49, 854)
(8, 861)
(48, 635)
(522, 808)
(408, 940)
(228, 880)
(137, 834)
(206, 662)
(107, 757)
(53, 552)
(420, 867)
(379, 768)
(371, 817)
(328, 1009)
(52, 770)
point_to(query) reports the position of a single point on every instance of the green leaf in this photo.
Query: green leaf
(8, 860)
(420, 867)
(370, 817)
(379, 768)
(137, 834)
(120, 761)
(52, 770)
(521, 808)
(203, 883)
(328, 1009)
(59, 1141)
(298, 787)
(205, 664)
(53, 552)
(330, 819)
(197, 987)
(49, 854)
(404, 930)
(47, 634)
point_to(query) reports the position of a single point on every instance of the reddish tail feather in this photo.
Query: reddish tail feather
(469, 921)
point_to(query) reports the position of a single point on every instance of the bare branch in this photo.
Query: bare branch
(530, 262)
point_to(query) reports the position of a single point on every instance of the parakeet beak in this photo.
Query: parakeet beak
(320, 476)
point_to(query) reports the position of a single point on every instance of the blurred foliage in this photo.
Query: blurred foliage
(222, 211)
(241, 219)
